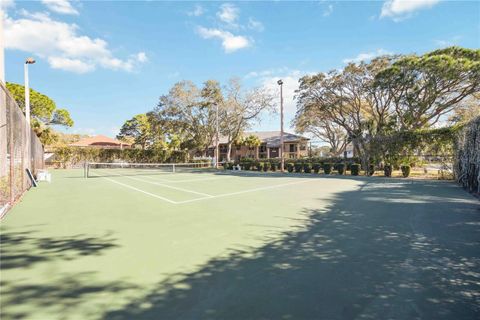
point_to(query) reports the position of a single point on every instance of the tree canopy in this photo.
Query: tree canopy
(44, 112)
(369, 102)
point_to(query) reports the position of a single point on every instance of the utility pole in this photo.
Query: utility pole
(28, 129)
(27, 91)
(282, 158)
(216, 136)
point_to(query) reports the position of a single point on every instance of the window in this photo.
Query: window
(263, 148)
(293, 148)
(303, 147)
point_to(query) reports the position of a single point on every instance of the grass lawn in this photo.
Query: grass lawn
(240, 246)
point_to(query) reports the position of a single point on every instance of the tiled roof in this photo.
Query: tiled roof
(98, 141)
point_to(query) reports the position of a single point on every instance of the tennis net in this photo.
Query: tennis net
(99, 169)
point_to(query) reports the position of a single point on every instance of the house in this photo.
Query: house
(294, 146)
(100, 141)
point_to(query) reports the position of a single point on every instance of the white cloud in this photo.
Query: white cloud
(228, 14)
(5, 4)
(365, 56)
(227, 23)
(73, 65)
(255, 25)
(60, 6)
(402, 9)
(328, 11)
(141, 57)
(197, 11)
(62, 46)
(230, 42)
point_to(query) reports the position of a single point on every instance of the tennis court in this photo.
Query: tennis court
(148, 243)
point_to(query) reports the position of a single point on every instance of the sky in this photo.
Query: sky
(108, 61)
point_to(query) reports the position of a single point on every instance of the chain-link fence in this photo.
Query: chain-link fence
(20, 149)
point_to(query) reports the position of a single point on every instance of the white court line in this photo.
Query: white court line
(171, 187)
(142, 191)
(186, 180)
(246, 191)
(166, 186)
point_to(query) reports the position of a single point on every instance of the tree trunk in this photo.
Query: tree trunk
(229, 150)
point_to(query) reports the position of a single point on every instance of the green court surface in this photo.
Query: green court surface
(240, 246)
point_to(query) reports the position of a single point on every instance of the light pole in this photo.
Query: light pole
(27, 92)
(216, 136)
(28, 129)
(282, 160)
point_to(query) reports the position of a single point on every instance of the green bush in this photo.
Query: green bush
(354, 169)
(290, 167)
(405, 170)
(266, 165)
(316, 167)
(307, 168)
(341, 168)
(228, 166)
(371, 170)
(327, 168)
(387, 170)
(298, 167)
(273, 166)
(259, 166)
(246, 165)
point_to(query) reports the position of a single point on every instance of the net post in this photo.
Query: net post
(85, 169)
(173, 167)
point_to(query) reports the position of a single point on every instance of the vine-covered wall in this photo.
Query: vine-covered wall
(467, 156)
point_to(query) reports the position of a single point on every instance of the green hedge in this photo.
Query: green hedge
(405, 170)
(307, 167)
(387, 170)
(371, 170)
(355, 169)
(327, 168)
(316, 167)
(290, 167)
(341, 168)
(298, 167)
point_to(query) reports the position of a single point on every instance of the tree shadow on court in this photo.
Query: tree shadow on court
(56, 293)
(386, 251)
(22, 249)
(67, 294)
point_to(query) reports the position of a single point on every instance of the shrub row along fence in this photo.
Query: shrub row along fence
(20, 149)
(315, 166)
(467, 156)
(72, 157)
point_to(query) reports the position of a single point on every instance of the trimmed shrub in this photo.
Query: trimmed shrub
(259, 166)
(273, 166)
(228, 166)
(371, 170)
(290, 167)
(307, 168)
(266, 165)
(316, 167)
(327, 168)
(341, 168)
(298, 167)
(354, 169)
(405, 170)
(246, 165)
(387, 170)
